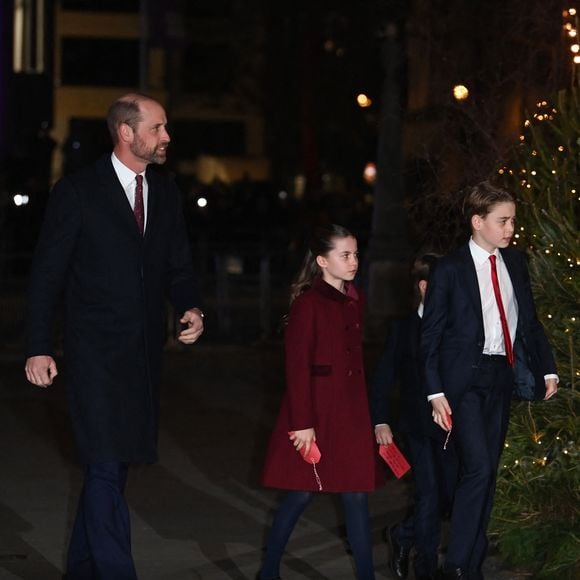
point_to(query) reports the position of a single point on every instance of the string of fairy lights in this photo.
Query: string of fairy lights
(570, 26)
(532, 178)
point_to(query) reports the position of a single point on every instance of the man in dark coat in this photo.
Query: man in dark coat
(114, 241)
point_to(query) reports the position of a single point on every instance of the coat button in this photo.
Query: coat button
(349, 373)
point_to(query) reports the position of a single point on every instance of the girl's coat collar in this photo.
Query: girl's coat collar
(329, 291)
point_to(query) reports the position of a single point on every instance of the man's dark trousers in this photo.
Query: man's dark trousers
(100, 545)
(435, 475)
(479, 428)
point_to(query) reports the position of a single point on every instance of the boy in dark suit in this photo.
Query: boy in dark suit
(479, 309)
(434, 469)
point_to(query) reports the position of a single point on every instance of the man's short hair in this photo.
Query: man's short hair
(123, 110)
(481, 198)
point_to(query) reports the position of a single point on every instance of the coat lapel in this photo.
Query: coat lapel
(513, 274)
(154, 186)
(469, 276)
(115, 192)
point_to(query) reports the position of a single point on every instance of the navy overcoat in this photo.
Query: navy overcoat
(115, 284)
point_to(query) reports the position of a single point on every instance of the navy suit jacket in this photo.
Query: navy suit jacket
(452, 336)
(400, 362)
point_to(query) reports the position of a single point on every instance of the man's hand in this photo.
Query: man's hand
(40, 370)
(383, 434)
(551, 388)
(194, 320)
(441, 412)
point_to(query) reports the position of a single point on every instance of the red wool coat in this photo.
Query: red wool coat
(326, 389)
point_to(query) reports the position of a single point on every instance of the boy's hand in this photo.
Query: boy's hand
(441, 412)
(383, 434)
(551, 388)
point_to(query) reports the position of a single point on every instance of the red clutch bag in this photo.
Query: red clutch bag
(394, 459)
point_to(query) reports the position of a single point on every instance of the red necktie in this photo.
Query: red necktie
(509, 351)
(139, 210)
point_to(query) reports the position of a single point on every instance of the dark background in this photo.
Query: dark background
(273, 85)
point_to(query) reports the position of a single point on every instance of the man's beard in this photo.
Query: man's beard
(151, 155)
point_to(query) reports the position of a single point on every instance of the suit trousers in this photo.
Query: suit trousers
(435, 476)
(480, 424)
(100, 544)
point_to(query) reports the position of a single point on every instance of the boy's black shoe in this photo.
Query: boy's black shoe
(399, 560)
(454, 574)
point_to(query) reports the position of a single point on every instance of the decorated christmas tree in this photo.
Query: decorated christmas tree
(536, 518)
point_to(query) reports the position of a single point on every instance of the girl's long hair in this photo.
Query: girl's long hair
(321, 243)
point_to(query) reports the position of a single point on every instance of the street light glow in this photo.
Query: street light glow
(363, 101)
(370, 173)
(202, 202)
(460, 92)
(20, 199)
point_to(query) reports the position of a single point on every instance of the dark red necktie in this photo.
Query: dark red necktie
(139, 210)
(509, 351)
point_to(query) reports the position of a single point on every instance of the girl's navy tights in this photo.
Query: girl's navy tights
(356, 513)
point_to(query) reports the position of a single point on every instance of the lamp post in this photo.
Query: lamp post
(390, 252)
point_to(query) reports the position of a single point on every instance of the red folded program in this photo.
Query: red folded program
(312, 457)
(394, 459)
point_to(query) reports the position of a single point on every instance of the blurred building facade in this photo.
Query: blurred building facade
(72, 58)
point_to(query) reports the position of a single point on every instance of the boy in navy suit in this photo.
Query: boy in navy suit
(479, 309)
(433, 468)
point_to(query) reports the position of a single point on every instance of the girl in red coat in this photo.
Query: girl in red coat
(325, 402)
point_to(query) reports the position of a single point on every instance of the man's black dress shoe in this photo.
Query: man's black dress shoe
(399, 561)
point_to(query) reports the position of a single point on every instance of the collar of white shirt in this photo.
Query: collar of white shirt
(480, 256)
(126, 176)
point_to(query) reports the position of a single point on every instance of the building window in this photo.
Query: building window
(207, 68)
(219, 138)
(214, 9)
(28, 34)
(100, 62)
(101, 5)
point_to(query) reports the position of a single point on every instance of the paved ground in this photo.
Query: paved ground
(200, 512)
